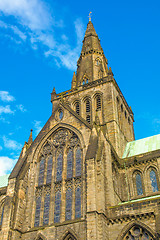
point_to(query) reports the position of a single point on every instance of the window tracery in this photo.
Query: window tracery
(138, 232)
(153, 180)
(62, 147)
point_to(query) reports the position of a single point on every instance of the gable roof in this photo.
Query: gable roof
(4, 180)
(140, 146)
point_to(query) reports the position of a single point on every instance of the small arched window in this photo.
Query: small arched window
(88, 107)
(153, 180)
(46, 209)
(78, 202)
(57, 209)
(59, 167)
(69, 204)
(139, 184)
(77, 108)
(98, 103)
(70, 164)
(38, 210)
(41, 171)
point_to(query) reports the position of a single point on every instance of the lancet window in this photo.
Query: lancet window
(69, 204)
(46, 209)
(38, 209)
(153, 180)
(98, 103)
(57, 209)
(59, 167)
(139, 184)
(88, 110)
(77, 106)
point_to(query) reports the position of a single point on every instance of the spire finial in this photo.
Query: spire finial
(90, 16)
(30, 140)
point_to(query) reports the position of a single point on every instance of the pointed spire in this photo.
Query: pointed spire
(74, 81)
(30, 140)
(110, 72)
(92, 61)
(53, 94)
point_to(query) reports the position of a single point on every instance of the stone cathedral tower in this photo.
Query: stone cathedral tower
(85, 177)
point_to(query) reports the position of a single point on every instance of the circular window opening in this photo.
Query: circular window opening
(60, 114)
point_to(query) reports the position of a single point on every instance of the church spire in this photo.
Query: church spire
(92, 64)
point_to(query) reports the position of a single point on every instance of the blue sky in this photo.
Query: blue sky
(40, 42)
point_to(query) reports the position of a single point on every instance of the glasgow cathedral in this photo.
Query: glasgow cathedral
(85, 177)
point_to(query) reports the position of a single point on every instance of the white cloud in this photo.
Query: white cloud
(6, 97)
(11, 144)
(6, 164)
(21, 108)
(1, 148)
(30, 13)
(35, 22)
(6, 109)
(37, 126)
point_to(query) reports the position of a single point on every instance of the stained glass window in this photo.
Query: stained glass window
(139, 184)
(78, 162)
(57, 209)
(153, 181)
(38, 209)
(68, 204)
(41, 172)
(49, 169)
(2, 216)
(78, 202)
(46, 209)
(70, 163)
(59, 167)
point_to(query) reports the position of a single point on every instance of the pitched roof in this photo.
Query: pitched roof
(4, 180)
(142, 146)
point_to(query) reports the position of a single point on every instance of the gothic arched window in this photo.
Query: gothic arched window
(153, 180)
(139, 184)
(38, 210)
(49, 169)
(46, 209)
(69, 204)
(59, 167)
(41, 171)
(70, 163)
(57, 207)
(78, 202)
(78, 162)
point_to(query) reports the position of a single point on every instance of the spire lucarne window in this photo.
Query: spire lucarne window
(60, 159)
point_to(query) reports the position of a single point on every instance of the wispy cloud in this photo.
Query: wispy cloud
(37, 126)
(21, 108)
(11, 144)
(6, 109)
(1, 148)
(6, 164)
(34, 21)
(6, 97)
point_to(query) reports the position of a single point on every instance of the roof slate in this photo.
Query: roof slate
(140, 146)
(4, 180)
